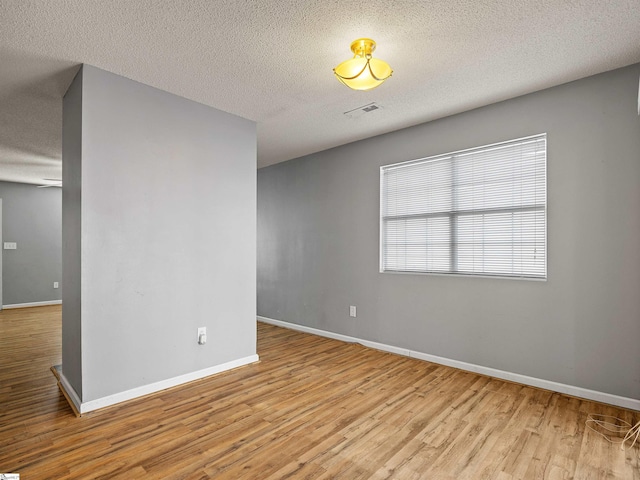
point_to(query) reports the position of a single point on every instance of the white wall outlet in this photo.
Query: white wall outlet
(10, 245)
(352, 311)
(56, 284)
(202, 335)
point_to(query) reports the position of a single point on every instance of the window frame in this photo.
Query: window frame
(453, 214)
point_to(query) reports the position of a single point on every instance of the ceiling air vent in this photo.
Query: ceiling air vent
(368, 108)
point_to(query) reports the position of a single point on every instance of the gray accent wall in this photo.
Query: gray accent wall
(71, 223)
(318, 244)
(167, 219)
(32, 219)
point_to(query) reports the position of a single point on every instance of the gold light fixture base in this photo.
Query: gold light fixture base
(363, 72)
(363, 47)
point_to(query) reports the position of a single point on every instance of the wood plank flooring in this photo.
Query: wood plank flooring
(313, 408)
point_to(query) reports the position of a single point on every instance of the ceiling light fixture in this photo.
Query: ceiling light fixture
(363, 72)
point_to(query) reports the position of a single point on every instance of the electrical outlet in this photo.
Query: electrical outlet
(202, 335)
(56, 284)
(352, 311)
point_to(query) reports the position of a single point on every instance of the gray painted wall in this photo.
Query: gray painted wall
(168, 235)
(32, 219)
(71, 223)
(318, 233)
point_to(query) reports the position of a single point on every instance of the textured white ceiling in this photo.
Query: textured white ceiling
(271, 61)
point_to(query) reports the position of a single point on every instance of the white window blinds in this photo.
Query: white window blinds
(480, 211)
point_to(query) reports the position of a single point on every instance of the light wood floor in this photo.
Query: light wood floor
(312, 408)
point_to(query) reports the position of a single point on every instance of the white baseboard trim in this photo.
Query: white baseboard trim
(32, 304)
(625, 402)
(84, 407)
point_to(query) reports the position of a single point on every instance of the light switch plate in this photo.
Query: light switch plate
(202, 331)
(10, 245)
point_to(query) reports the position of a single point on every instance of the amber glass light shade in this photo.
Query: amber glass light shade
(362, 72)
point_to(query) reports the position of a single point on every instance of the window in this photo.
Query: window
(480, 211)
